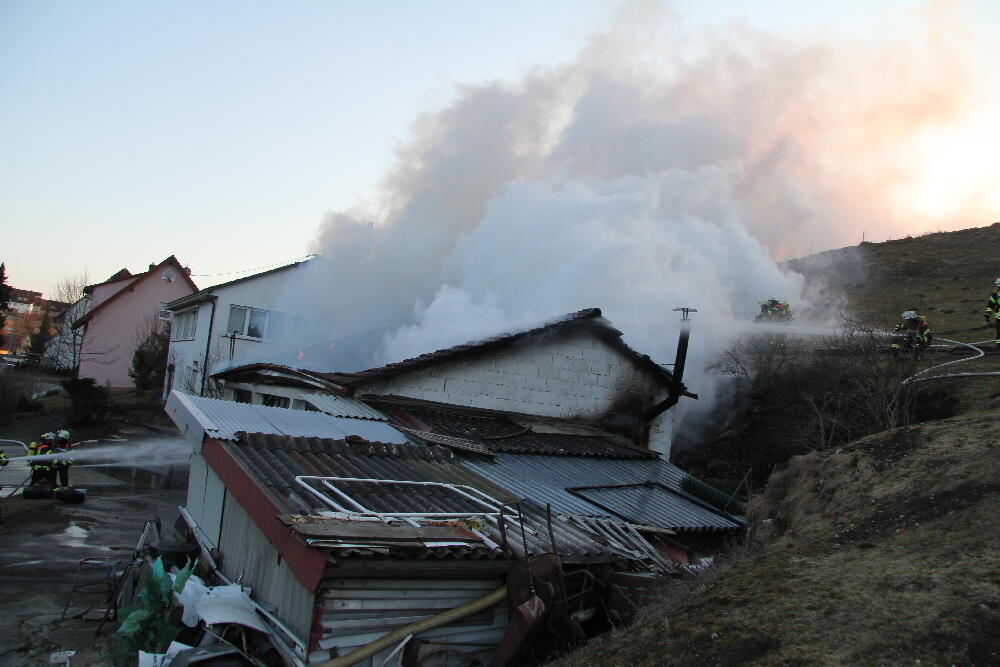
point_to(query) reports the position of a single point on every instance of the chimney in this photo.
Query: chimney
(151, 267)
(677, 383)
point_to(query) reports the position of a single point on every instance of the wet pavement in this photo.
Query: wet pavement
(43, 542)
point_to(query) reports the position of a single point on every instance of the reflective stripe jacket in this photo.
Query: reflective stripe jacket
(39, 449)
(923, 330)
(993, 305)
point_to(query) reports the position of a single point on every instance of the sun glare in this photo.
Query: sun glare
(955, 170)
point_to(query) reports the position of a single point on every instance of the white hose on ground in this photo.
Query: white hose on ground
(972, 346)
(429, 623)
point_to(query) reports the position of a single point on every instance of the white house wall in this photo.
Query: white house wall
(569, 376)
(264, 292)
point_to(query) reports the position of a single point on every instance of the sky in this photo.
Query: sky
(235, 134)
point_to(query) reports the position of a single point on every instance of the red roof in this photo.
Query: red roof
(136, 279)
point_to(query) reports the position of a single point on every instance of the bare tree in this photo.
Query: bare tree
(63, 351)
(846, 381)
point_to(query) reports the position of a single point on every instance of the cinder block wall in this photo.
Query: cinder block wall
(576, 376)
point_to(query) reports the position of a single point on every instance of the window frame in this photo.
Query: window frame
(180, 322)
(251, 318)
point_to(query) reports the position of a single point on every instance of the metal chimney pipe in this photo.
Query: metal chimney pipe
(677, 383)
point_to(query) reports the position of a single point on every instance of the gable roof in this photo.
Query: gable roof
(136, 279)
(589, 319)
(122, 274)
(206, 294)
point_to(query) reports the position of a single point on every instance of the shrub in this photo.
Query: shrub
(89, 401)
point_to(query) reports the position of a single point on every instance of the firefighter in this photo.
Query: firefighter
(912, 333)
(992, 314)
(42, 472)
(774, 310)
(61, 465)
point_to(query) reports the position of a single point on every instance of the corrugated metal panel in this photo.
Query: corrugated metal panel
(196, 488)
(226, 418)
(359, 611)
(276, 460)
(546, 479)
(341, 406)
(247, 556)
(215, 501)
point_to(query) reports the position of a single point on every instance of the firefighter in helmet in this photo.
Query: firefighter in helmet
(61, 464)
(911, 334)
(992, 314)
(774, 310)
(42, 472)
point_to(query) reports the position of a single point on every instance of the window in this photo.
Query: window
(256, 323)
(164, 314)
(272, 401)
(184, 325)
(299, 404)
(242, 396)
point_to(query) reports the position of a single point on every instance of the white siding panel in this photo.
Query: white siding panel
(247, 553)
(215, 501)
(196, 488)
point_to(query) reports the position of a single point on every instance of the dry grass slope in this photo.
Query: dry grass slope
(883, 551)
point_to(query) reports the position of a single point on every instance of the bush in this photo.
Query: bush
(149, 361)
(89, 401)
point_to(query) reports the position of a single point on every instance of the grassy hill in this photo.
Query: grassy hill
(884, 550)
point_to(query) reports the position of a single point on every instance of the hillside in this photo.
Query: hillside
(883, 550)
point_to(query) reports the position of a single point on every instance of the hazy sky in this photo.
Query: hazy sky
(223, 132)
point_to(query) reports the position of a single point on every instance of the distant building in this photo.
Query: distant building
(120, 310)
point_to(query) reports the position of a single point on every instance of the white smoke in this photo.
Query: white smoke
(660, 169)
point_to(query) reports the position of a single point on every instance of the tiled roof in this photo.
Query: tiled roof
(223, 420)
(646, 492)
(499, 431)
(589, 317)
(136, 279)
(276, 461)
(319, 361)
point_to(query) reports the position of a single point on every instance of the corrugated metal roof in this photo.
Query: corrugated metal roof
(518, 433)
(277, 460)
(341, 406)
(547, 479)
(222, 420)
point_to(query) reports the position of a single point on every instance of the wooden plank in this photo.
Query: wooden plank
(365, 530)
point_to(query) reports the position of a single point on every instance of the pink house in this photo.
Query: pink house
(122, 308)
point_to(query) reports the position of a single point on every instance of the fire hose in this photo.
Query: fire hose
(437, 620)
(972, 346)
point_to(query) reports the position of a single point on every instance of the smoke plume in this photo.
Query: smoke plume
(663, 167)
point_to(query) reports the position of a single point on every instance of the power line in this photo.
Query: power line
(258, 268)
